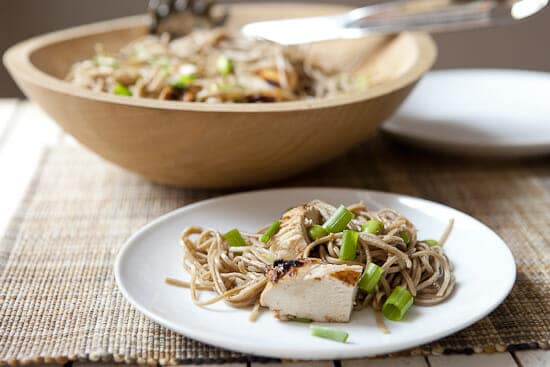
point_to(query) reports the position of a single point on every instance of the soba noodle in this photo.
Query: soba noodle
(237, 274)
(209, 66)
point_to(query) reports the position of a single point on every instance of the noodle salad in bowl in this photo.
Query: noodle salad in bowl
(211, 66)
(180, 112)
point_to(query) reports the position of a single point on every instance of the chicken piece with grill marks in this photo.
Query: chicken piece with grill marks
(292, 238)
(311, 289)
(305, 287)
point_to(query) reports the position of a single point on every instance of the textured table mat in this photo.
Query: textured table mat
(58, 297)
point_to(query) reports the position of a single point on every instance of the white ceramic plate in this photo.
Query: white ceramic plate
(483, 266)
(501, 113)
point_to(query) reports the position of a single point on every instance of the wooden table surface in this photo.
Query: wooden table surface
(24, 132)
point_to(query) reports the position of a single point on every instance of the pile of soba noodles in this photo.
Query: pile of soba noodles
(210, 66)
(237, 274)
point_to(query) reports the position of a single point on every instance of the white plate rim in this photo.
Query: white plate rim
(250, 348)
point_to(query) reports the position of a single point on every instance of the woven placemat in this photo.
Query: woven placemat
(59, 300)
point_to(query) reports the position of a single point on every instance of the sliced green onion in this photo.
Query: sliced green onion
(184, 81)
(165, 69)
(348, 250)
(316, 231)
(273, 228)
(141, 52)
(234, 238)
(300, 319)
(224, 65)
(339, 220)
(405, 236)
(121, 90)
(329, 333)
(397, 304)
(431, 242)
(361, 82)
(161, 60)
(373, 226)
(371, 277)
(106, 61)
(226, 87)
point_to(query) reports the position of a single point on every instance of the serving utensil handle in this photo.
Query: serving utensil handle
(393, 17)
(436, 15)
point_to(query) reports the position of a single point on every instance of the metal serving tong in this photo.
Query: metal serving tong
(179, 17)
(389, 17)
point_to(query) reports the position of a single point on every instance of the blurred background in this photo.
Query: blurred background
(524, 45)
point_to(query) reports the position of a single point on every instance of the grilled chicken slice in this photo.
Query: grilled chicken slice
(325, 210)
(310, 289)
(292, 238)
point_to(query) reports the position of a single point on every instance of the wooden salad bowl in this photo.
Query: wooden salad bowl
(220, 145)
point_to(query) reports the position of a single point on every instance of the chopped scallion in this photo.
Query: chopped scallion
(405, 236)
(361, 82)
(348, 250)
(373, 226)
(234, 238)
(339, 220)
(300, 319)
(225, 87)
(273, 228)
(370, 277)
(316, 231)
(161, 60)
(213, 88)
(431, 242)
(224, 65)
(184, 81)
(397, 304)
(165, 69)
(121, 90)
(141, 52)
(329, 333)
(106, 61)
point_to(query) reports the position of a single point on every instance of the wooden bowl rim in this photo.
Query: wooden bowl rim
(17, 61)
